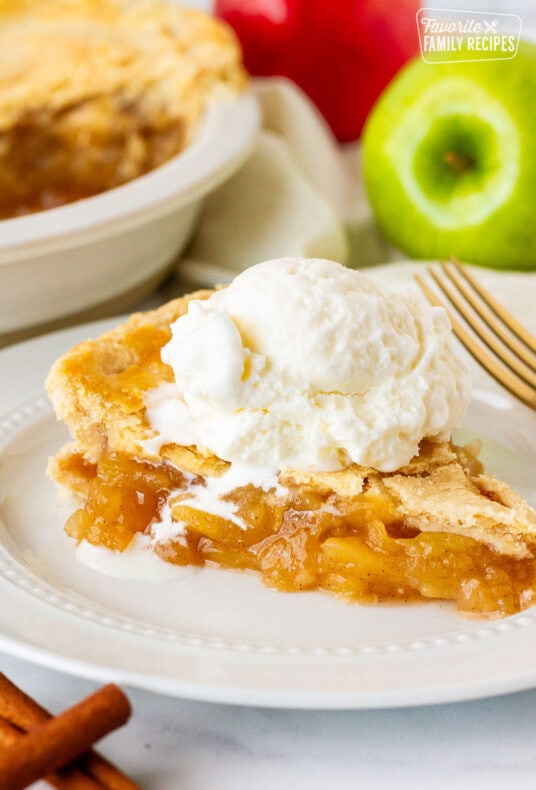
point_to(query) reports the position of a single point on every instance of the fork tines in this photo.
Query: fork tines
(498, 342)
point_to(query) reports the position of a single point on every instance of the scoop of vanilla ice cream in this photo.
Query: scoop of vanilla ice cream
(303, 363)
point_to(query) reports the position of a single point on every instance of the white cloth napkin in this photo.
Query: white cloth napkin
(300, 193)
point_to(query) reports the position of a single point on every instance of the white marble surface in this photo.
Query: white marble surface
(172, 744)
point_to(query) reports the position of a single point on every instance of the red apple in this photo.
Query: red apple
(342, 53)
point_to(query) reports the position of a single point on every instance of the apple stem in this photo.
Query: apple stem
(458, 163)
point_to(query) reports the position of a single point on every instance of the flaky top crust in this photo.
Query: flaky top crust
(153, 54)
(99, 387)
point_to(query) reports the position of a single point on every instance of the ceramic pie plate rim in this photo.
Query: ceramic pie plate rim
(494, 659)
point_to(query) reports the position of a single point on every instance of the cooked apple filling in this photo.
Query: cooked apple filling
(49, 159)
(362, 548)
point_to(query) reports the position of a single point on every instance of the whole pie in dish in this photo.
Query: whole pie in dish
(94, 93)
(371, 530)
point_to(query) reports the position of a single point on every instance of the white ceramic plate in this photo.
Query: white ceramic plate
(221, 636)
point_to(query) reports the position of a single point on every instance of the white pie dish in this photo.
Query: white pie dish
(100, 254)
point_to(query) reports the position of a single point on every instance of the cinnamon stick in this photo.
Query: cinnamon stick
(20, 709)
(66, 779)
(59, 741)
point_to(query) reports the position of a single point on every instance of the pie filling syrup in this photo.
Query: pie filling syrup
(358, 548)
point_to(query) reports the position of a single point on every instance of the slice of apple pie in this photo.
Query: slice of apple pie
(322, 461)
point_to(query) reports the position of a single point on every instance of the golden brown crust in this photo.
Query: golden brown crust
(164, 58)
(71, 470)
(450, 500)
(99, 387)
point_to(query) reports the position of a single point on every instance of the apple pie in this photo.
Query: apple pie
(435, 528)
(95, 93)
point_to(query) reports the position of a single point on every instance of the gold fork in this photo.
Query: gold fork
(499, 344)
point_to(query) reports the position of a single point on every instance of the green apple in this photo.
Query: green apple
(449, 155)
